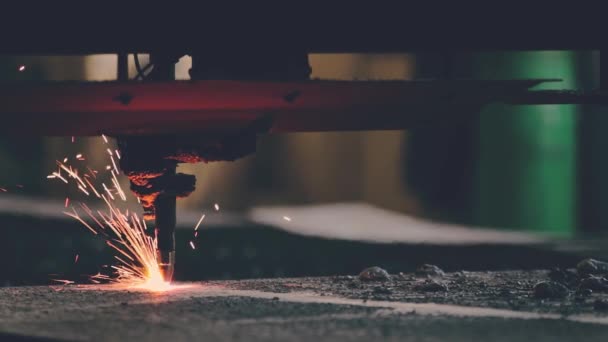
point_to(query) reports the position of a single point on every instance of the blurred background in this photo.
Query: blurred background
(537, 170)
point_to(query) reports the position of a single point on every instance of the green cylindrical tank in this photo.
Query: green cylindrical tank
(526, 171)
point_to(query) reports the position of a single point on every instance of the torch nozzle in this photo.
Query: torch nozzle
(166, 263)
(165, 234)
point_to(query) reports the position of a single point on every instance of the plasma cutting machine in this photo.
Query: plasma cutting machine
(232, 97)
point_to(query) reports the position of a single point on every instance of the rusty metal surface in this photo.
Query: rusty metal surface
(221, 107)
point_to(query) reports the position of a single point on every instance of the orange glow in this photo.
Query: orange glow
(154, 282)
(124, 231)
(149, 286)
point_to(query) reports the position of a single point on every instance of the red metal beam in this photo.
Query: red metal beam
(76, 108)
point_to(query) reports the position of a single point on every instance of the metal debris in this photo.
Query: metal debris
(374, 274)
(550, 289)
(592, 266)
(430, 270)
(432, 286)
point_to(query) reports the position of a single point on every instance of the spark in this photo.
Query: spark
(124, 232)
(217, 207)
(104, 138)
(192, 245)
(114, 163)
(107, 191)
(58, 175)
(118, 187)
(92, 172)
(73, 139)
(108, 167)
(20, 186)
(199, 222)
(287, 218)
(72, 173)
(137, 265)
(83, 190)
(65, 160)
(117, 153)
(3, 190)
(75, 215)
(92, 188)
(90, 213)
(21, 67)
(79, 156)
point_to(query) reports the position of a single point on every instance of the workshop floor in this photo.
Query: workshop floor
(318, 241)
(497, 306)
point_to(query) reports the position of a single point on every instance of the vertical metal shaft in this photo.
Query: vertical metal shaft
(165, 204)
(165, 209)
(122, 70)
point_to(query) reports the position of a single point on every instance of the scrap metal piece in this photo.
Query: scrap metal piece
(374, 273)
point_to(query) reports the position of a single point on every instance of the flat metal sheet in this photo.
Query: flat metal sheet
(92, 108)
